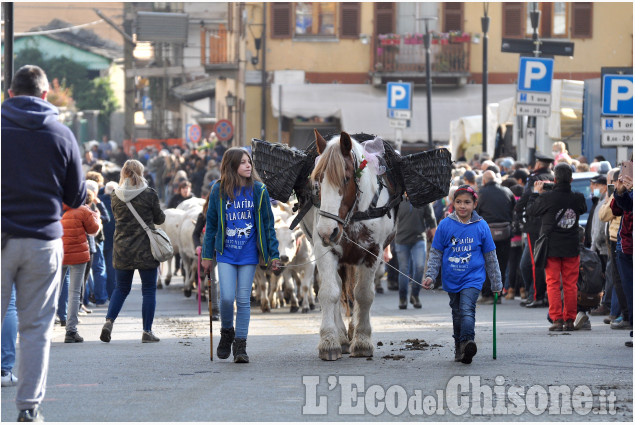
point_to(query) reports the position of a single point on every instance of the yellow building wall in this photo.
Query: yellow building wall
(611, 43)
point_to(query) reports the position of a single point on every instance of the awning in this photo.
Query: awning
(362, 108)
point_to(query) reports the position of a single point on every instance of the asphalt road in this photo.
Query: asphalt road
(175, 380)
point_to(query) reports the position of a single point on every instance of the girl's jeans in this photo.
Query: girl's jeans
(74, 293)
(463, 306)
(235, 283)
(148, 291)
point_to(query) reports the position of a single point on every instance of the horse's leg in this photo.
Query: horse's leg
(168, 278)
(263, 288)
(305, 287)
(361, 345)
(330, 346)
(289, 280)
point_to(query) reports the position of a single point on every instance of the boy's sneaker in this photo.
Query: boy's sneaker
(558, 326)
(148, 336)
(608, 320)
(414, 300)
(620, 323)
(31, 415)
(9, 379)
(73, 337)
(468, 350)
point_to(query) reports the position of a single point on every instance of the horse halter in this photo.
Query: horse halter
(344, 221)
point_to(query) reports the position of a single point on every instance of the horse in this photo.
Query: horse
(346, 190)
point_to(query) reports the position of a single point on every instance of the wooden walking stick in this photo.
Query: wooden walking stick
(495, 302)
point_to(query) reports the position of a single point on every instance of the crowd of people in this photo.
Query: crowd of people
(71, 236)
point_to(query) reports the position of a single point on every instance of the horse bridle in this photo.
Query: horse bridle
(343, 221)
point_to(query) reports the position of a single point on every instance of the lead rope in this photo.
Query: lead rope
(376, 256)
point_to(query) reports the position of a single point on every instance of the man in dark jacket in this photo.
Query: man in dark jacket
(533, 278)
(41, 169)
(559, 211)
(496, 205)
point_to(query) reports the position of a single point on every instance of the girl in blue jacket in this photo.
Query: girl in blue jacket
(464, 250)
(240, 232)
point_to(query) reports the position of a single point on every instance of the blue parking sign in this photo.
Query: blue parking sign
(535, 74)
(399, 96)
(617, 95)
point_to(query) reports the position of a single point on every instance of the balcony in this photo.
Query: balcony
(217, 53)
(403, 56)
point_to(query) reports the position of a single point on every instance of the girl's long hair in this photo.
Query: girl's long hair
(133, 170)
(229, 178)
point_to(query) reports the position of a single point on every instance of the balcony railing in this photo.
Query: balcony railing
(395, 53)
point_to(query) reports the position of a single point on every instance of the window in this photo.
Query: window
(581, 20)
(452, 17)
(280, 20)
(553, 19)
(384, 18)
(513, 20)
(315, 18)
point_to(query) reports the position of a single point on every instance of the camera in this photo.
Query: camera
(548, 186)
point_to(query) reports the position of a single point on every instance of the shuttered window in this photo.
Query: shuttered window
(581, 20)
(350, 20)
(513, 20)
(281, 20)
(384, 18)
(452, 17)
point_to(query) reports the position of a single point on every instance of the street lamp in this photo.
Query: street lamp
(426, 40)
(485, 28)
(230, 101)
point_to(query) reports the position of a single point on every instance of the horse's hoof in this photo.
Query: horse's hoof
(331, 355)
(361, 350)
(159, 285)
(312, 307)
(305, 310)
(265, 309)
(187, 293)
(294, 309)
(346, 348)
(167, 281)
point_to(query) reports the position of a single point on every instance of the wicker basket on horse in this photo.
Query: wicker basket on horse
(279, 167)
(427, 175)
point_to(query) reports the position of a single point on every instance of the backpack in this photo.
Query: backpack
(590, 279)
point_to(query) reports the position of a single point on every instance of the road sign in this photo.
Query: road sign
(146, 103)
(617, 124)
(224, 130)
(555, 48)
(531, 98)
(399, 114)
(616, 138)
(399, 123)
(535, 74)
(399, 96)
(533, 110)
(193, 133)
(617, 95)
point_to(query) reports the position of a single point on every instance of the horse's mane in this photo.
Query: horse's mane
(332, 165)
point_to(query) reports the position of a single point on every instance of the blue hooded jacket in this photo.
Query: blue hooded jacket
(41, 169)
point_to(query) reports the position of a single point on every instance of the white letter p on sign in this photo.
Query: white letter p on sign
(534, 71)
(621, 90)
(397, 93)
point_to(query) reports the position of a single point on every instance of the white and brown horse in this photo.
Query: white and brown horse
(332, 226)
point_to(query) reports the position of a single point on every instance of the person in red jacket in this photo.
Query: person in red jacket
(77, 222)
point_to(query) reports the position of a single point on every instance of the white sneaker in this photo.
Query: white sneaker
(580, 320)
(9, 379)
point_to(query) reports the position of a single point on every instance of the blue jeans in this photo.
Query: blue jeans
(62, 300)
(463, 306)
(148, 292)
(625, 267)
(111, 280)
(412, 260)
(235, 283)
(99, 274)
(9, 334)
(74, 293)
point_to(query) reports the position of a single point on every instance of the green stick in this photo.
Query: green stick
(495, 302)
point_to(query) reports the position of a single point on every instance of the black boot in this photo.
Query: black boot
(240, 351)
(225, 345)
(457, 351)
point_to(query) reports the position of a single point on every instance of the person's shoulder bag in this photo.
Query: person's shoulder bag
(160, 244)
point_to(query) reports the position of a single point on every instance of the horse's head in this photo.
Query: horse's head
(334, 175)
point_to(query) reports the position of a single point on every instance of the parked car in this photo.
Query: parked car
(582, 183)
